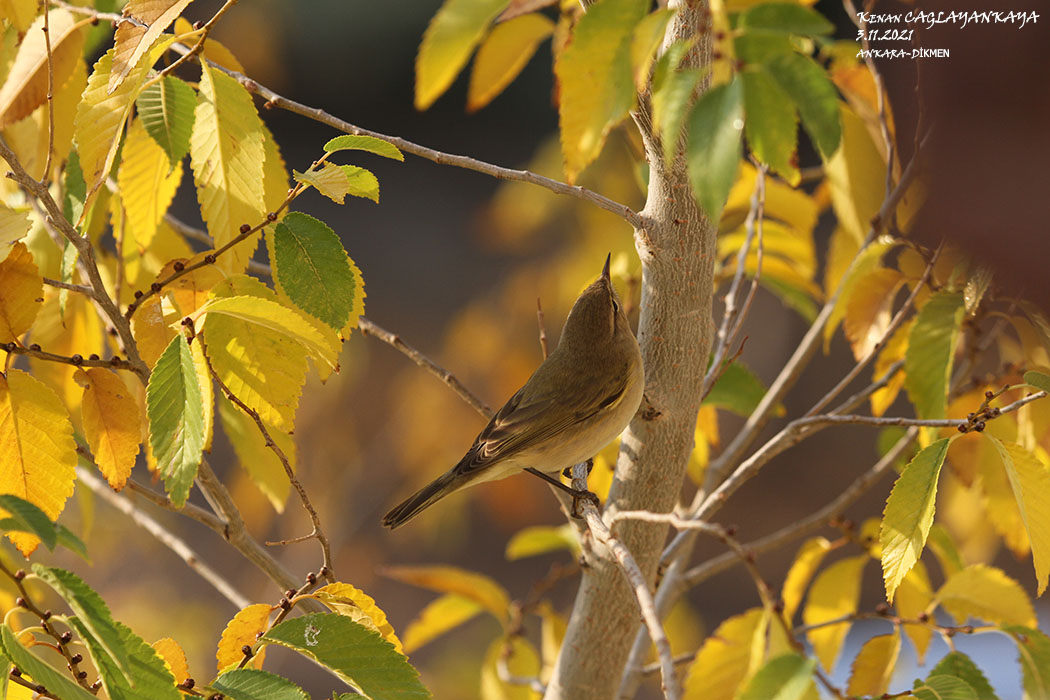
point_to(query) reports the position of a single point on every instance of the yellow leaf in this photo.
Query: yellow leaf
(358, 308)
(523, 661)
(133, 38)
(594, 73)
(914, 596)
(204, 378)
(227, 156)
(726, 659)
(439, 616)
(552, 634)
(778, 240)
(648, 36)
(869, 309)
(346, 599)
(112, 424)
(448, 42)
(174, 658)
(505, 51)
(806, 562)
(987, 593)
(891, 353)
(241, 630)
(147, 183)
(37, 453)
(26, 86)
(842, 249)
(151, 330)
(783, 203)
(20, 13)
(261, 463)
(449, 579)
(331, 181)
(141, 265)
(1030, 481)
(78, 331)
(835, 593)
(21, 293)
(275, 175)
(874, 665)
(190, 291)
(856, 174)
(863, 263)
(14, 224)
(213, 50)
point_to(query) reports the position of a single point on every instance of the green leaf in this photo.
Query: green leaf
(541, 539)
(371, 144)
(771, 124)
(648, 36)
(943, 687)
(449, 40)
(714, 145)
(814, 96)
(931, 351)
(1033, 650)
(255, 684)
(312, 267)
(792, 297)
(57, 682)
(361, 182)
(790, 18)
(785, 677)
(74, 189)
(960, 666)
(148, 677)
(358, 655)
(908, 515)
(759, 46)
(175, 408)
(670, 102)
(1038, 380)
(594, 72)
(166, 109)
(738, 390)
(27, 517)
(89, 608)
(70, 541)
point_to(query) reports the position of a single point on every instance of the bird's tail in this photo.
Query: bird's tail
(423, 498)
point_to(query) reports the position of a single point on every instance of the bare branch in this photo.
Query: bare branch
(46, 175)
(34, 350)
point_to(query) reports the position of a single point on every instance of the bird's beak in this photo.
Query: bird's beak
(605, 270)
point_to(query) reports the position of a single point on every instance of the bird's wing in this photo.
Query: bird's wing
(503, 437)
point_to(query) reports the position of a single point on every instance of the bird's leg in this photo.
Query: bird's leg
(577, 494)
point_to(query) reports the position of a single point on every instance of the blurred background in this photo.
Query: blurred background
(454, 262)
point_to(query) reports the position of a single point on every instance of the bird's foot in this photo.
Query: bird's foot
(567, 471)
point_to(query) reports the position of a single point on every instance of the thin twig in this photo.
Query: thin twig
(190, 510)
(14, 348)
(45, 176)
(318, 531)
(165, 537)
(78, 288)
(197, 47)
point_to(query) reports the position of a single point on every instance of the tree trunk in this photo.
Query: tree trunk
(677, 248)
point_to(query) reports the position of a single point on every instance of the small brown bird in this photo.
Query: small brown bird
(581, 397)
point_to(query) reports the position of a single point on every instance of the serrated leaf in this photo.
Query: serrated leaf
(112, 424)
(1030, 481)
(243, 629)
(450, 38)
(856, 177)
(23, 516)
(174, 658)
(987, 593)
(908, 515)
(147, 183)
(147, 679)
(725, 659)
(714, 128)
(25, 87)
(931, 351)
(55, 681)
(330, 180)
(449, 579)
(313, 268)
(132, 39)
(175, 407)
(835, 593)
(439, 616)
(78, 330)
(261, 463)
(786, 677)
(942, 687)
(1038, 380)
(358, 655)
(738, 390)
(771, 123)
(785, 17)
(891, 353)
(861, 264)
(868, 310)
(14, 224)
(21, 293)
(369, 144)
(275, 174)
(504, 53)
(89, 608)
(814, 95)
(960, 665)
(348, 600)
(541, 539)
(648, 36)
(227, 157)
(361, 182)
(255, 684)
(594, 73)
(914, 597)
(807, 561)
(1033, 650)
(166, 109)
(37, 452)
(874, 665)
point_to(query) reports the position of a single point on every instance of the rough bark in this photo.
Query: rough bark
(677, 248)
